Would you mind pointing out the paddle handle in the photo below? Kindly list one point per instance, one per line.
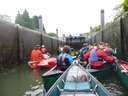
(30, 62)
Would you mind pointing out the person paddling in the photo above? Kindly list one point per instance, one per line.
(80, 53)
(36, 56)
(44, 49)
(97, 56)
(108, 50)
(64, 60)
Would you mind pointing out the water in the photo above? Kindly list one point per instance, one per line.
(114, 86)
(22, 81)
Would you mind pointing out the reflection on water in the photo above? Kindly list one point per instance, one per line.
(36, 87)
(22, 81)
(34, 91)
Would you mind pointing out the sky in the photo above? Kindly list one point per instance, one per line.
(68, 16)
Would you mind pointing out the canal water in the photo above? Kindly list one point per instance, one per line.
(22, 81)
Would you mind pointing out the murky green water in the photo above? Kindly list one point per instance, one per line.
(114, 86)
(22, 81)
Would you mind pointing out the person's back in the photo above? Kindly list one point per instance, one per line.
(93, 56)
(64, 60)
(95, 61)
(59, 61)
(83, 50)
(97, 56)
(68, 59)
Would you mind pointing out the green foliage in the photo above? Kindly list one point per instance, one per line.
(96, 28)
(125, 5)
(36, 21)
(52, 34)
(121, 9)
(26, 21)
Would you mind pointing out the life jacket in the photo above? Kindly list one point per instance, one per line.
(72, 53)
(93, 56)
(36, 55)
(94, 60)
(62, 60)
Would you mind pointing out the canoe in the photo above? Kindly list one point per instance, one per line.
(76, 81)
(50, 76)
(121, 68)
(100, 73)
(44, 63)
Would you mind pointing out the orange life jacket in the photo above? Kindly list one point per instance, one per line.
(36, 55)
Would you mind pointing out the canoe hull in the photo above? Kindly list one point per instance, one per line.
(61, 82)
(50, 77)
(123, 76)
(49, 80)
(102, 73)
(45, 63)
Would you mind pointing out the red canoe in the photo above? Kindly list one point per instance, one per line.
(45, 63)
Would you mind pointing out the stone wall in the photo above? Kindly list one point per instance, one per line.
(16, 43)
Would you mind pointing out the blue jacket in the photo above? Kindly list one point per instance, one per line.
(64, 59)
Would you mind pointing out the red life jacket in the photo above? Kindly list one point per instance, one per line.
(97, 65)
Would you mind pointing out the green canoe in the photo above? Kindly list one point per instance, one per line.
(50, 77)
(121, 68)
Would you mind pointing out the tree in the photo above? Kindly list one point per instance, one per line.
(36, 21)
(18, 18)
(52, 34)
(121, 9)
(96, 29)
(125, 5)
(26, 21)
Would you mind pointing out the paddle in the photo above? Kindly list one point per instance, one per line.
(31, 62)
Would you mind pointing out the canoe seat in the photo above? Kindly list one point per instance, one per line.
(77, 86)
(78, 94)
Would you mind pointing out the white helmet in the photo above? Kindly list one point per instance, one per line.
(43, 46)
